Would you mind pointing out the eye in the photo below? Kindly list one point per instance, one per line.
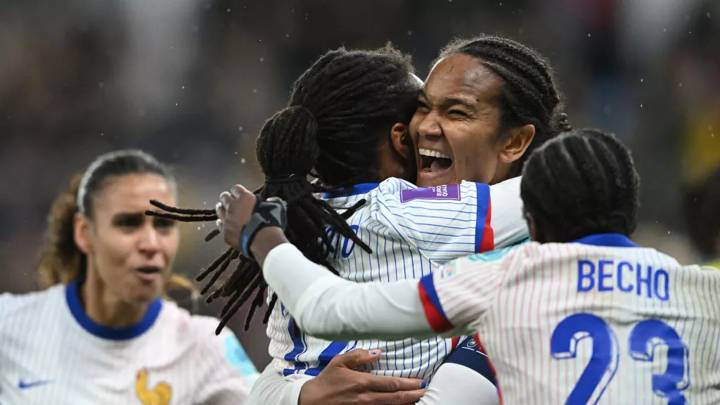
(128, 222)
(163, 223)
(458, 113)
(422, 106)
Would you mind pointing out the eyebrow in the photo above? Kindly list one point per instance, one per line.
(124, 216)
(450, 101)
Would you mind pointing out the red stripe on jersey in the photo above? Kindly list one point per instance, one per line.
(488, 237)
(479, 344)
(455, 340)
(434, 317)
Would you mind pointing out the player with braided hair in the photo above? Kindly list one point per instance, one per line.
(395, 216)
(486, 103)
(581, 315)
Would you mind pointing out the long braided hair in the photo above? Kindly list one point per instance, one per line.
(529, 94)
(580, 183)
(340, 112)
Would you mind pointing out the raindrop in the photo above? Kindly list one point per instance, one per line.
(642, 80)
(242, 161)
(228, 10)
(101, 84)
(287, 35)
(255, 91)
(449, 1)
(182, 87)
(240, 129)
(500, 4)
(664, 29)
(236, 153)
(589, 35)
(409, 33)
(261, 60)
(177, 104)
(198, 228)
(680, 84)
(102, 133)
(707, 14)
(641, 106)
(668, 232)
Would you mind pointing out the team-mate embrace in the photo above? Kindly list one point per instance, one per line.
(580, 315)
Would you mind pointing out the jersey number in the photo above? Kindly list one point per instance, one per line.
(644, 339)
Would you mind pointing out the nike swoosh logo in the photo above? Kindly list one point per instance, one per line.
(25, 385)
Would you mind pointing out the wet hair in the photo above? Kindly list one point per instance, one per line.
(340, 112)
(702, 207)
(579, 183)
(529, 94)
(61, 261)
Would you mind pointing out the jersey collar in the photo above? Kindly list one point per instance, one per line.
(607, 239)
(72, 296)
(361, 188)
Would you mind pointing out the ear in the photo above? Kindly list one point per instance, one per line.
(401, 142)
(516, 143)
(81, 233)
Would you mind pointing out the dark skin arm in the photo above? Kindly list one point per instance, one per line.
(339, 383)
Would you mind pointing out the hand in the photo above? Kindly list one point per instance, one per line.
(234, 211)
(340, 384)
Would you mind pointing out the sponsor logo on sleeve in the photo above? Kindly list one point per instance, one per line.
(444, 192)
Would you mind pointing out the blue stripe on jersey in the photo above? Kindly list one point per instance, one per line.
(72, 296)
(607, 239)
(298, 348)
(326, 355)
(483, 200)
(362, 188)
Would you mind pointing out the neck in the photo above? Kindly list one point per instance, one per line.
(106, 309)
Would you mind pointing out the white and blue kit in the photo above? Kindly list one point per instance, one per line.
(51, 352)
(598, 320)
(412, 231)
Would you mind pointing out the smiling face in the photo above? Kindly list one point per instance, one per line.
(129, 252)
(457, 124)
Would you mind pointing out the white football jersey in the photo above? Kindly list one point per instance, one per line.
(598, 321)
(411, 232)
(51, 352)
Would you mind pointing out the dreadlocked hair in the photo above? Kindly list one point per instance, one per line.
(529, 94)
(340, 110)
(580, 183)
(61, 261)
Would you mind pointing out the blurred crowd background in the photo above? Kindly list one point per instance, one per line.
(192, 81)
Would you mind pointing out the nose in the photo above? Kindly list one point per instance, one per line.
(149, 243)
(430, 125)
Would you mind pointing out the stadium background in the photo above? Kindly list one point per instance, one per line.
(192, 82)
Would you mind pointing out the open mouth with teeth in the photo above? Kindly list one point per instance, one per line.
(433, 161)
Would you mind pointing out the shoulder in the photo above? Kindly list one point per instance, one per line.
(14, 305)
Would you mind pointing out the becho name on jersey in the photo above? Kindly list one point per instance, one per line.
(606, 275)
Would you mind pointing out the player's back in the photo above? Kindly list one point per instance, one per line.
(411, 231)
(587, 322)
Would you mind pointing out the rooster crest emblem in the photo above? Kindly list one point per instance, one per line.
(160, 394)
